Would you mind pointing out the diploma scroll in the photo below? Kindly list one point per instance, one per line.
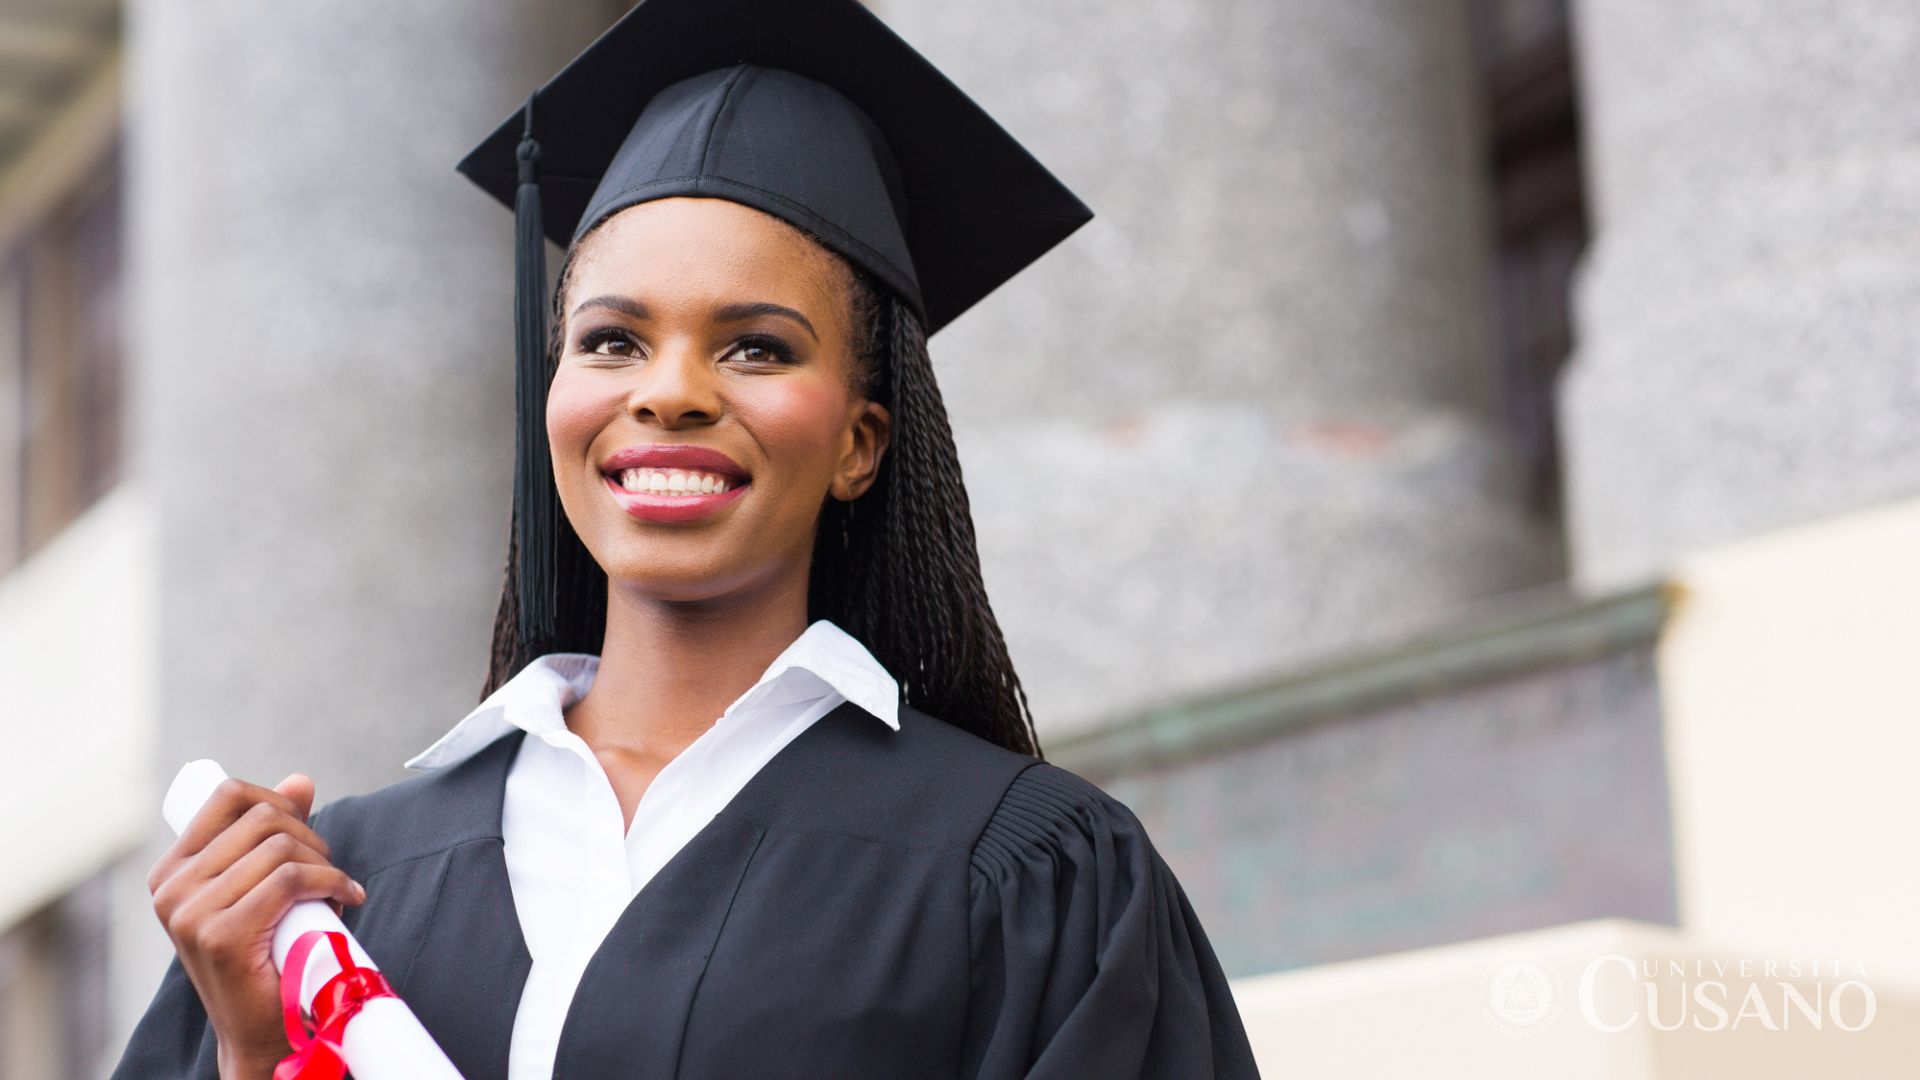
(383, 1040)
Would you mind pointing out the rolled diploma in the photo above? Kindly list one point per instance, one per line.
(384, 1040)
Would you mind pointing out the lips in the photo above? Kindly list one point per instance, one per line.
(684, 460)
(674, 456)
(672, 508)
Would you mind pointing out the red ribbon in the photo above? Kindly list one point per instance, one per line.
(318, 1056)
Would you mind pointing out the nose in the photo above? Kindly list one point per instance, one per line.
(677, 386)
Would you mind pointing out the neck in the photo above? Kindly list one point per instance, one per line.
(668, 669)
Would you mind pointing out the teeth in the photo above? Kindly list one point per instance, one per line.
(672, 482)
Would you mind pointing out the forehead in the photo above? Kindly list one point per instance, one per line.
(708, 251)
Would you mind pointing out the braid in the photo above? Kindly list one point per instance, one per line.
(898, 568)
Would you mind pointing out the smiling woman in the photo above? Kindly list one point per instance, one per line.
(754, 789)
(712, 331)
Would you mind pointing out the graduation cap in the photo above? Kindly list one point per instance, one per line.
(810, 110)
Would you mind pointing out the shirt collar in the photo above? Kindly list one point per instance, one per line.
(824, 659)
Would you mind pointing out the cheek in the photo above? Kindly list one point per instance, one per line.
(797, 419)
(577, 409)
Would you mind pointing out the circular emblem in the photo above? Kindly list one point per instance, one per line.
(1521, 996)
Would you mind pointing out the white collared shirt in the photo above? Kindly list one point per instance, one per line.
(572, 867)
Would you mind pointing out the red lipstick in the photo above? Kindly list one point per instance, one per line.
(674, 507)
(673, 456)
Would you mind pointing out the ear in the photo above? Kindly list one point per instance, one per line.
(868, 433)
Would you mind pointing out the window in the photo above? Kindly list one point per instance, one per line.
(60, 365)
(1532, 124)
(53, 986)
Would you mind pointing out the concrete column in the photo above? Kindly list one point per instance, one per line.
(1750, 312)
(322, 349)
(1249, 414)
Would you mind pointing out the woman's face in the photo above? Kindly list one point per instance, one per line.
(703, 323)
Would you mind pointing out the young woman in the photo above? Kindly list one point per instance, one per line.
(754, 791)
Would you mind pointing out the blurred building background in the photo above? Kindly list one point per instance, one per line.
(1461, 485)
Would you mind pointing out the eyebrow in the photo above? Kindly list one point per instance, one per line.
(626, 305)
(738, 312)
(622, 304)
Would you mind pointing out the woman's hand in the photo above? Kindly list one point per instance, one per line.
(246, 858)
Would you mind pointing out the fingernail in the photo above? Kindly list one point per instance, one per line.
(360, 890)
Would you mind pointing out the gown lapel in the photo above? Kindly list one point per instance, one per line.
(469, 958)
(629, 1013)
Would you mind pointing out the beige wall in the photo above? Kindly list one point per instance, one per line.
(1790, 679)
(77, 695)
(1438, 1013)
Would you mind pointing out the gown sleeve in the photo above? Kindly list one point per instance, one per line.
(173, 1039)
(1087, 959)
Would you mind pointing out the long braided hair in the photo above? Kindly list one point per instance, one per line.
(897, 568)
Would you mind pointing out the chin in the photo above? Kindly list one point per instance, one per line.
(660, 577)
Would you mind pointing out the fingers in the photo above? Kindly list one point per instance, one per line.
(247, 857)
(232, 798)
(254, 827)
(260, 861)
(180, 872)
(299, 788)
(273, 855)
(267, 901)
(227, 935)
(225, 912)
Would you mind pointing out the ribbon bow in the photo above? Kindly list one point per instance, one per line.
(318, 1056)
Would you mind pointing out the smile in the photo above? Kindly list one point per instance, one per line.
(673, 495)
(675, 481)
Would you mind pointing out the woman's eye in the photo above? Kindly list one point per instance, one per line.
(609, 343)
(762, 351)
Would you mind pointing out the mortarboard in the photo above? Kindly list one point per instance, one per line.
(810, 110)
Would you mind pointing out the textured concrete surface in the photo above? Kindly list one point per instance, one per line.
(1750, 315)
(1246, 416)
(321, 351)
(1520, 803)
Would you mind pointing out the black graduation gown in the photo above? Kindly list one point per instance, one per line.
(873, 903)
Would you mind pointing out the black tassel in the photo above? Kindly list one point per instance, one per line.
(536, 507)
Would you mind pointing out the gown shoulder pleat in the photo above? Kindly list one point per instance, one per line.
(1087, 958)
